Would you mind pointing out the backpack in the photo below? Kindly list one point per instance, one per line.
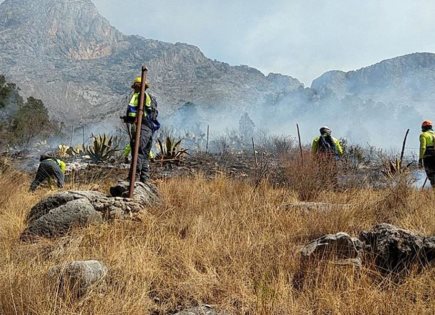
(152, 114)
(327, 146)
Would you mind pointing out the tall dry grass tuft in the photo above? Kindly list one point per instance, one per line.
(222, 242)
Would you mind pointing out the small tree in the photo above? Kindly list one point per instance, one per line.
(31, 121)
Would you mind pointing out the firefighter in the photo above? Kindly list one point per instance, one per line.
(49, 168)
(149, 126)
(325, 145)
(427, 151)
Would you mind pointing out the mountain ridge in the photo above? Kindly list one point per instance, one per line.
(79, 59)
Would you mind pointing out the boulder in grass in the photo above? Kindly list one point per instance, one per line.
(60, 220)
(339, 246)
(57, 214)
(395, 250)
(77, 277)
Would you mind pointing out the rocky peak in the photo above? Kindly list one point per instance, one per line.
(70, 28)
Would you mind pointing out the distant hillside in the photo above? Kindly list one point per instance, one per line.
(65, 53)
(407, 80)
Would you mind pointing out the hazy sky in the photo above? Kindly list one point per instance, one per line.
(302, 38)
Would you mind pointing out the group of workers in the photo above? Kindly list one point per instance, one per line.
(323, 146)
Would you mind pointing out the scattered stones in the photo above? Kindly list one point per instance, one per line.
(57, 214)
(77, 277)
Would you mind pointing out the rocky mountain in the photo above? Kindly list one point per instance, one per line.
(67, 54)
(406, 80)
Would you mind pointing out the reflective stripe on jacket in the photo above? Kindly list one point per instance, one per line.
(426, 141)
(133, 106)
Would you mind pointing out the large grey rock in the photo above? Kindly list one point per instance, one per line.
(51, 202)
(77, 277)
(58, 221)
(57, 214)
(396, 250)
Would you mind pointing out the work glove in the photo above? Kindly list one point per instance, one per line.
(420, 163)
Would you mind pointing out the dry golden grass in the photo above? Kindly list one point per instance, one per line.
(221, 242)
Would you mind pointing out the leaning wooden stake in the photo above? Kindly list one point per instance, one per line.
(403, 149)
(300, 144)
(208, 135)
(255, 153)
(424, 184)
(139, 118)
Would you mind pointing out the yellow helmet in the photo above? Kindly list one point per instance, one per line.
(138, 80)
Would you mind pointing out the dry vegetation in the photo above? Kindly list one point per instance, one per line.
(223, 242)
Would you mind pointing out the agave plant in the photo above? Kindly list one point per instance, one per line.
(77, 150)
(62, 150)
(103, 147)
(170, 150)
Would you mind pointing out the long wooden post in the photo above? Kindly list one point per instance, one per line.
(403, 148)
(139, 118)
(255, 152)
(208, 135)
(300, 144)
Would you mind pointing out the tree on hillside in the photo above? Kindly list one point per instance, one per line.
(31, 121)
(9, 94)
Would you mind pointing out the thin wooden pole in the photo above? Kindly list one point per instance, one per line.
(208, 135)
(424, 184)
(72, 136)
(139, 118)
(300, 144)
(403, 148)
(255, 152)
(83, 134)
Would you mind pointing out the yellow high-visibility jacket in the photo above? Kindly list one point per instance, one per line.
(133, 106)
(315, 146)
(426, 141)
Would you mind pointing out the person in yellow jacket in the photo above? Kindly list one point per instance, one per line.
(427, 151)
(149, 126)
(49, 168)
(325, 145)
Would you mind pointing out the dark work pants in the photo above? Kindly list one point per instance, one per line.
(145, 145)
(429, 167)
(48, 169)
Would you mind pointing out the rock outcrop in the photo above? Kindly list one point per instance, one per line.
(77, 277)
(395, 251)
(79, 60)
(59, 213)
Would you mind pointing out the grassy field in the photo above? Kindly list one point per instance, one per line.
(220, 241)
